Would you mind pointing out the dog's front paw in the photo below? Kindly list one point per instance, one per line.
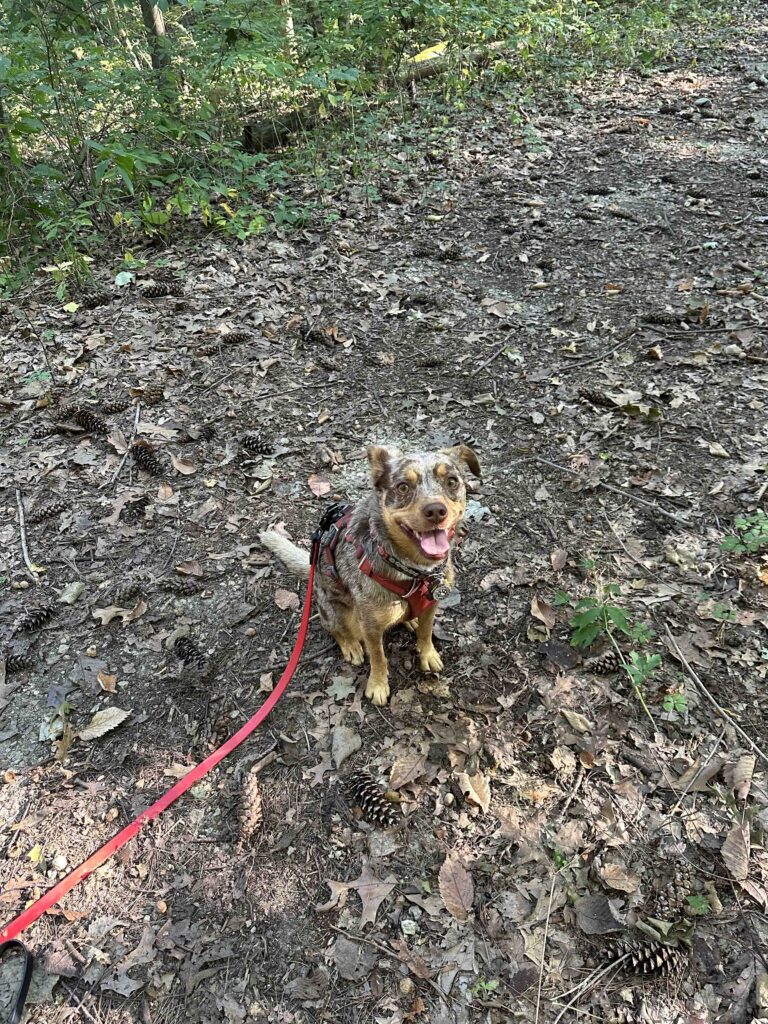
(411, 624)
(377, 691)
(352, 651)
(430, 660)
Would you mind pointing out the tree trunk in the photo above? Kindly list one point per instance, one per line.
(154, 22)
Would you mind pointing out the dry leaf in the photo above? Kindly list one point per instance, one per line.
(456, 887)
(183, 466)
(103, 722)
(743, 771)
(318, 486)
(735, 852)
(107, 683)
(543, 611)
(164, 492)
(372, 892)
(476, 789)
(114, 611)
(406, 770)
(558, 558)
(286, 599)
(118, 441)
(189, 568)
(617, 877)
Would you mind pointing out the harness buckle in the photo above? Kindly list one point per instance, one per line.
(330, 517)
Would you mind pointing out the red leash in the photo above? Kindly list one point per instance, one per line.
(53, 895)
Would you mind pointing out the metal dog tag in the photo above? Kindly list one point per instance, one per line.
(439, 592)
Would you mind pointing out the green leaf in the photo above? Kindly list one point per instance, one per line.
(123, 278)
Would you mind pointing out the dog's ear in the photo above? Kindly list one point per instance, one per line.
(381, 466)
(463, 453)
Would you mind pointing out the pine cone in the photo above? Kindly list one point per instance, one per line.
(189, 652)
(18, 663)
(34, 618)
(90, 421)
(124, 594)
(603, 664)
(182, 586)
(235, 337)
(153, 394)
(95, 298)
(672, 901)
(133, 511)
(369, 797)
(662, 318)
(255, 446)
(207, 432)
(116, 405)
(206, 350)
(44, 430)
(644, 957)
(48, 511)
(596, 397)
(161, 288)
(143, 454)
(251, 813)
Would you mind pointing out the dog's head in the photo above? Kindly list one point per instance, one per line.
(422, 498)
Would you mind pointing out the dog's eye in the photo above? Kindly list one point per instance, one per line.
(403, 488)
(453, 482)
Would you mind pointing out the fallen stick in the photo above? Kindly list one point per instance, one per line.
(23, 533)
(615, 490)
(136, 418)
(721, 711)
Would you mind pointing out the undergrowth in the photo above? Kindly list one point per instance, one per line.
(111, 130)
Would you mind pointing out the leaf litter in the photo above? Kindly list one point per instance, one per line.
(620, 418)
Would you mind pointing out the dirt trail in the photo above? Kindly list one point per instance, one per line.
(584, 300)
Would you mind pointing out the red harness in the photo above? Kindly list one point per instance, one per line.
(418, 592)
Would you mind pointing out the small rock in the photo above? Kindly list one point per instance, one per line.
(59, 862)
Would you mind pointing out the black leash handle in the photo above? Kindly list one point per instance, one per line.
(17, 1009)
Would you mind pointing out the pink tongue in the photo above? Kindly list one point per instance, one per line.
(434, 543)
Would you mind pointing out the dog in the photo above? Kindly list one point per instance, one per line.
(387, 560)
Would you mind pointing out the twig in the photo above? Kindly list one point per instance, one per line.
(495, 356)
(603, 355)
(544, 947)
(615, 490)
(590, 980)
(626, 550)
(695, 777)
(721, 711)
(136, 419)
(23, 534)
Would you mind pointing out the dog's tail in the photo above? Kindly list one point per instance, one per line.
(295, 559)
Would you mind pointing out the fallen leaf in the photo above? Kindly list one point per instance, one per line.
(286, 599)
(615, 876)
(114, 611)
(183, 466)
(456, 887)
(595, 916)
(415, 964)
(189, 568)
(543, 611)
(558, 557)
(372, 891)
(576, 721)
(107, 683)
(476, 789)
(743, 771)
(406, 770)
(103, 722)
(71, 592)
(354, 961)
(344, 742)
(118, 441)
(318, 486)
(164, 492)
(735, 852)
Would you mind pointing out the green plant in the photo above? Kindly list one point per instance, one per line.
(594, 617)
(698, 904)
(484, 987)
(751, 534)
(641, 667)
(676, 702)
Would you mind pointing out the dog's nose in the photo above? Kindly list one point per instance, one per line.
(435, 511)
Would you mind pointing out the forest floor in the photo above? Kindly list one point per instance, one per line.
(583, 299)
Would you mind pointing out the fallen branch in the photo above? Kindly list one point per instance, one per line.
(136, 419)
(23, 533)
(615, 490)
(702, 688)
